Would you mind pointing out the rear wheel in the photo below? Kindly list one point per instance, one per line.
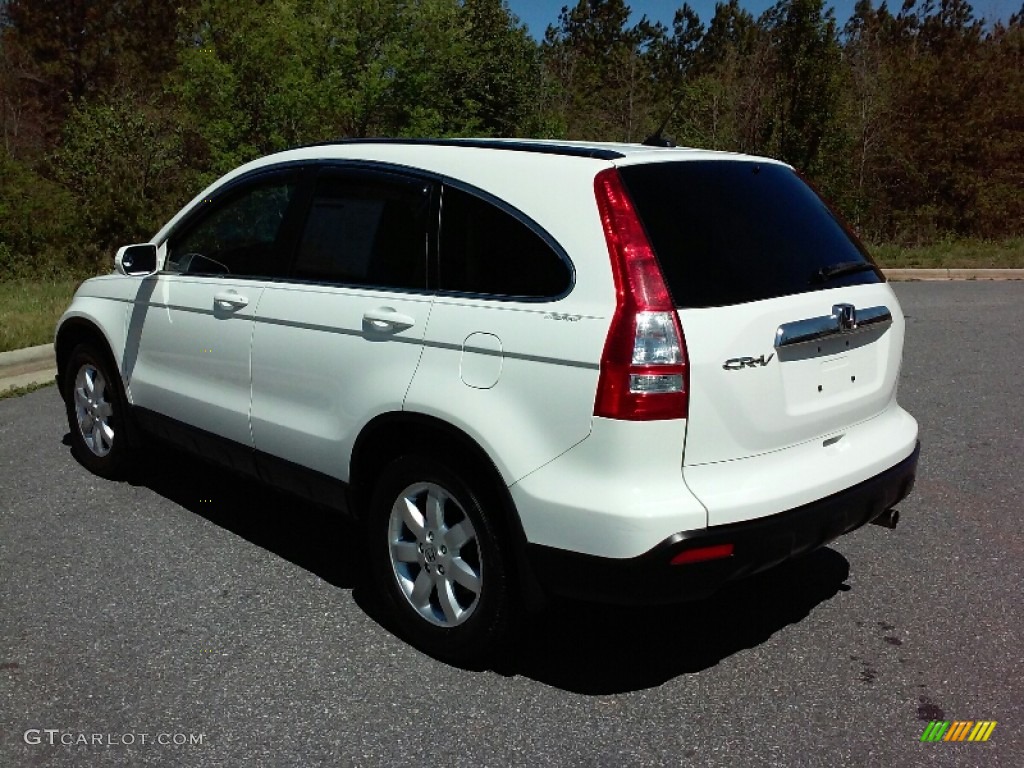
(438, 559)
(97, 412)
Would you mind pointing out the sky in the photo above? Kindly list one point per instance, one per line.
(537, 14)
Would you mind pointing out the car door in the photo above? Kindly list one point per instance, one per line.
(191, 327)
(506, 343)
(339, 342)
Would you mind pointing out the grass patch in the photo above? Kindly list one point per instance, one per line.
(19, 391)
(953, 254)
(29, 311)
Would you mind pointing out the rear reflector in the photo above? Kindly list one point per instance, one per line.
(700, 554)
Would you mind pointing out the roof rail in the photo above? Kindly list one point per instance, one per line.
(554, 148)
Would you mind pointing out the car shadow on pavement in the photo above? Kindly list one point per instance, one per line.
(585, 648)
(302, 533)
(598, 649)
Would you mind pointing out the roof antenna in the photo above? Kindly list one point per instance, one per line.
(656, 139)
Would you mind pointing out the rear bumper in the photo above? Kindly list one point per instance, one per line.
(757, 544)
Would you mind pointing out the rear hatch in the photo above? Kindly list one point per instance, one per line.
(791, 332)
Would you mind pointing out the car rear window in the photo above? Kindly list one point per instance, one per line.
(729, 232)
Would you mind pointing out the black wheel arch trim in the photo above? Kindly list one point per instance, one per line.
(74, 331)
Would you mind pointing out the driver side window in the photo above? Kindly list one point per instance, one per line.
(240, 235)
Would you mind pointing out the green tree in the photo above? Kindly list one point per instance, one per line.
(671, 61)
(497, 78)
(927, 172)
(260, 78)
(725, 101)
(867, 108)
(732, 31)
(806, 58)
(22, 117)
(82, 47)
(38, 224)
(600, 66)
(124, 165)
(1000, 198)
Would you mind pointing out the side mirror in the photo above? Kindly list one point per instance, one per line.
(136, 260)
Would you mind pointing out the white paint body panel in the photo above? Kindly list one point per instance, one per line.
(735, 414)
(192, 362)
(745, 489)
(616, 494)
(543, 401)
(320, 372)
(106, 302)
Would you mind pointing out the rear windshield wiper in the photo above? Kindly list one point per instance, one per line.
(838, 270)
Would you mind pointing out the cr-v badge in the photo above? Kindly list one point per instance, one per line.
(737, 363)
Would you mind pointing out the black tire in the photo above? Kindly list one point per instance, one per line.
(454, 624)
(97, 411)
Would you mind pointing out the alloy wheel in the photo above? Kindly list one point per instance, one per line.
(435, 554)
(93, 410)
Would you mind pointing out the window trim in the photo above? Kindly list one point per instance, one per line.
(307, 170)
(439, 181)
(386, 173)
(523, 219)
(222, 195)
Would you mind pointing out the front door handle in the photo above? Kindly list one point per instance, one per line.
(229, 300)
(386, 319)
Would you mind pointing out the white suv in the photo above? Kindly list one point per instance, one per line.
(614, 372)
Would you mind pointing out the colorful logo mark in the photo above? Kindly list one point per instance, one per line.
(958, 730)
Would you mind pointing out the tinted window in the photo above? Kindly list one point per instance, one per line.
(732, 232)
(365, 230)
(240, 235)
(486, 250)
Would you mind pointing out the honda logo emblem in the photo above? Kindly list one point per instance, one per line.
(846, 315)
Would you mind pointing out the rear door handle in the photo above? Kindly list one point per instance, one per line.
(229, 300)
(387, 319)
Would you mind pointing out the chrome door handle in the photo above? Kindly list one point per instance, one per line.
(230, 300)
(386, 319)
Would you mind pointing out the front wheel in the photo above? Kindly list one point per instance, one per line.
(438, 559)
(97, 413)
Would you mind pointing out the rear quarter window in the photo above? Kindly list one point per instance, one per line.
(487, 251)
(730, 232)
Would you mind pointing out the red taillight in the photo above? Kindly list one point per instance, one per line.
(644, 373)
(700, 554)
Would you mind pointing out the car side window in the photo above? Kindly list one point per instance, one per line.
(487, 250)
(366, 229)
(240, 235)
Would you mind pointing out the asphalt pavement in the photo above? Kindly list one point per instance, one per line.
(189, 618)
